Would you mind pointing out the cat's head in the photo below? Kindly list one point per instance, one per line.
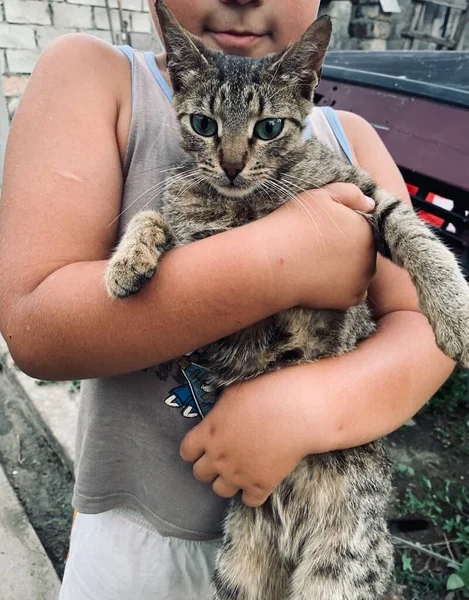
(241, 119)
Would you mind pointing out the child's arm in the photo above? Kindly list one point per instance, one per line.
(259, 430)
(62, 190)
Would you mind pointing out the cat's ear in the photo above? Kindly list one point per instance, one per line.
(301, 62)
(187, 56)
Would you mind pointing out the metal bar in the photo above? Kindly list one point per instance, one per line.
(446, 190)
(441, 212)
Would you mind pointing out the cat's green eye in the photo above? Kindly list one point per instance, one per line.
(268, 129)
(204, 125)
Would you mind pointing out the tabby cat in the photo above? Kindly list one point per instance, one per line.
(322, 533)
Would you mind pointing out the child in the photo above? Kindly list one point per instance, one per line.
(90, 145)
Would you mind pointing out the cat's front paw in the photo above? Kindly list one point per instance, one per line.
(136, 258)
(126, 275)
(454, 340)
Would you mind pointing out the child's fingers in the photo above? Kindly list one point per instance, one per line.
(223, 488)
(349, 195)
(254, 498)
(204, 470)
(192, 446)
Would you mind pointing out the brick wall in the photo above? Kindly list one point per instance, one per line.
(28, 26)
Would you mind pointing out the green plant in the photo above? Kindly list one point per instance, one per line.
(460, 579)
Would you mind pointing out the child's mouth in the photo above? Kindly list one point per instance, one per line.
(235, 39)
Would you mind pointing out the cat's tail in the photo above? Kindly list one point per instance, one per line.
(442, 290)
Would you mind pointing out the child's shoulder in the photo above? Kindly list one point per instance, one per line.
(82, 66)
(367, 147)
(82, 56)
(80, 79)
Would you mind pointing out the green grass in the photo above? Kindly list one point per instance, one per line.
(442, 500)
(449, 410)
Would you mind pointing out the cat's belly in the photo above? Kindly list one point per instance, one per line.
(291, 337)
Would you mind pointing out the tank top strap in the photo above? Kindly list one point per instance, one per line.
(324, 124)
(338, 131)
(152, 113)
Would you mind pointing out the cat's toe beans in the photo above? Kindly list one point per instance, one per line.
(124, 279)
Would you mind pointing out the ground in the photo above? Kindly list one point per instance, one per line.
(41, 481)
(431, 507)
(432, 496)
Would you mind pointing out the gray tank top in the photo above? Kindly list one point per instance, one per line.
(130, 427)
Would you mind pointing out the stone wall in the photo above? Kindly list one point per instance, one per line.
(363, 25)
(28, 26)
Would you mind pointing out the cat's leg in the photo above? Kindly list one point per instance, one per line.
(248, 565)
(136, 257)
(442, 290)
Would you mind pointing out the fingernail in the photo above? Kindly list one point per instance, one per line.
(370, 202)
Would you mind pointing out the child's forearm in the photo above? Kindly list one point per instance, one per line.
(358, 397)
(67, 327)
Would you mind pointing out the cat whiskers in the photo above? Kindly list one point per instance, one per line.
(265, 189)
(170, 181)
(158, 167)
(188, 186)
(156, 189)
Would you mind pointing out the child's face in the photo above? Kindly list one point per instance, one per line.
(244, 27)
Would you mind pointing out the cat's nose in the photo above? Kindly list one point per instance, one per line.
(232, 170)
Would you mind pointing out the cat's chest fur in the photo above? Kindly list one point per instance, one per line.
(202, 211)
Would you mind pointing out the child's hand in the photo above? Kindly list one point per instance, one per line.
(250, 441)
(322, 252)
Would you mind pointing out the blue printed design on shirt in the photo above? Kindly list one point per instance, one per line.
(194, 397)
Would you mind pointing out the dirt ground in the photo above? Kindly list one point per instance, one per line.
(432, 496)
(431, 507)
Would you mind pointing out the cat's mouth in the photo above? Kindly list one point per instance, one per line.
(234, 189)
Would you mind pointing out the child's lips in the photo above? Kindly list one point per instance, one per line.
(235, 39)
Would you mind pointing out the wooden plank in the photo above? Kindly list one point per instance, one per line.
(458, 4)
(461, 26)
(426, 37)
